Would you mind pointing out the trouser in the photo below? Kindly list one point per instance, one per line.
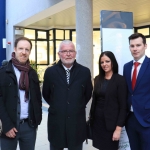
(26, 136)
(139, 136)
(79, 147)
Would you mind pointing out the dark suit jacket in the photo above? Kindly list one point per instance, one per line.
(66, 119)
(140, 96)
(115, 107)
(9, 99)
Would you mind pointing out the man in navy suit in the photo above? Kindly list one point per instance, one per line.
(137, 74)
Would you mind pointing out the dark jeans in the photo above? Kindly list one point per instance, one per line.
(26, 136)
(79, 147)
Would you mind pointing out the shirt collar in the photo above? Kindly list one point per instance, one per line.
(140, 60)
(66, 67)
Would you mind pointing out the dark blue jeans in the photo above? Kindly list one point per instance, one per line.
(26, 136)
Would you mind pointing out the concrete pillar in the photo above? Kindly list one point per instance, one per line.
(2, 29)
(84, 36)
(84, 33)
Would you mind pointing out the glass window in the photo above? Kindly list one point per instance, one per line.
(96, 52)
(29, 33)
(147, 52)
(57, 49)
(74, 37)
(51, 52)
(60, 34)
(40, 71)
(32, 54)
(41, 35)
(67, 34)
(144, 31)
(41, 52)
(51, 34)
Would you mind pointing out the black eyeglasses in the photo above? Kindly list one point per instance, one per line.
(67, 51)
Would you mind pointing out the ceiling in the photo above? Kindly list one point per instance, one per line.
(67, 17)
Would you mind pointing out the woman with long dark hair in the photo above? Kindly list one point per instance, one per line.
(109, 105)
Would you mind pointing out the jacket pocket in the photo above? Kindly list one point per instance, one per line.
(83, 89)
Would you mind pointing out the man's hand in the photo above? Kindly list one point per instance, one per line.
(11, 133)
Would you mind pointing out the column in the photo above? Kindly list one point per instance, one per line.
(84, 33)
(2, 29)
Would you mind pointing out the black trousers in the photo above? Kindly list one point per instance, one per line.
(79, 147)
(26, 136)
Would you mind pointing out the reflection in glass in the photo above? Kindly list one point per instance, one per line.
(96, 52)
(144, 31)
(51, 52)
(29, 33)
(67, 33)
(51, 34)
(59, 34)
(41, 52)
(32, 54)
(41, 35)
(147, 52)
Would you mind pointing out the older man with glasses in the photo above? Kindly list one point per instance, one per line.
(67, 88)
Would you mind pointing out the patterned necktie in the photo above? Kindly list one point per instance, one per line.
(134, 74)
(68, 75)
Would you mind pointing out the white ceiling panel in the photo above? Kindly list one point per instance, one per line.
(67, 18)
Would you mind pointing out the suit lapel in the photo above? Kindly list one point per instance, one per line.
(73, 74)
(61, 72)
(142, 71)
(11, 72)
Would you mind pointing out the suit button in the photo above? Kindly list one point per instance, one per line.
(18, 113)
(18, 102)
(68, 103)
(68, 89)
(68, 117)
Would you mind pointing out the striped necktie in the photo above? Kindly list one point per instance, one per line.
(68, 75)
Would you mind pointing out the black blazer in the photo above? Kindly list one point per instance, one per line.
(9, 100)
(115, 107)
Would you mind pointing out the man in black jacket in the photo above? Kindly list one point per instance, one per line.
(20, 99)
(67, 88)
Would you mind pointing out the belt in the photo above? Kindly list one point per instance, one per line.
(23, 121)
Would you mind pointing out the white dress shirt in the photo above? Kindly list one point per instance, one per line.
(66, 67)
(23, 105)
(138, 69)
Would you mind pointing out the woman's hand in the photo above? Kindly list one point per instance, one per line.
(117, 133)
